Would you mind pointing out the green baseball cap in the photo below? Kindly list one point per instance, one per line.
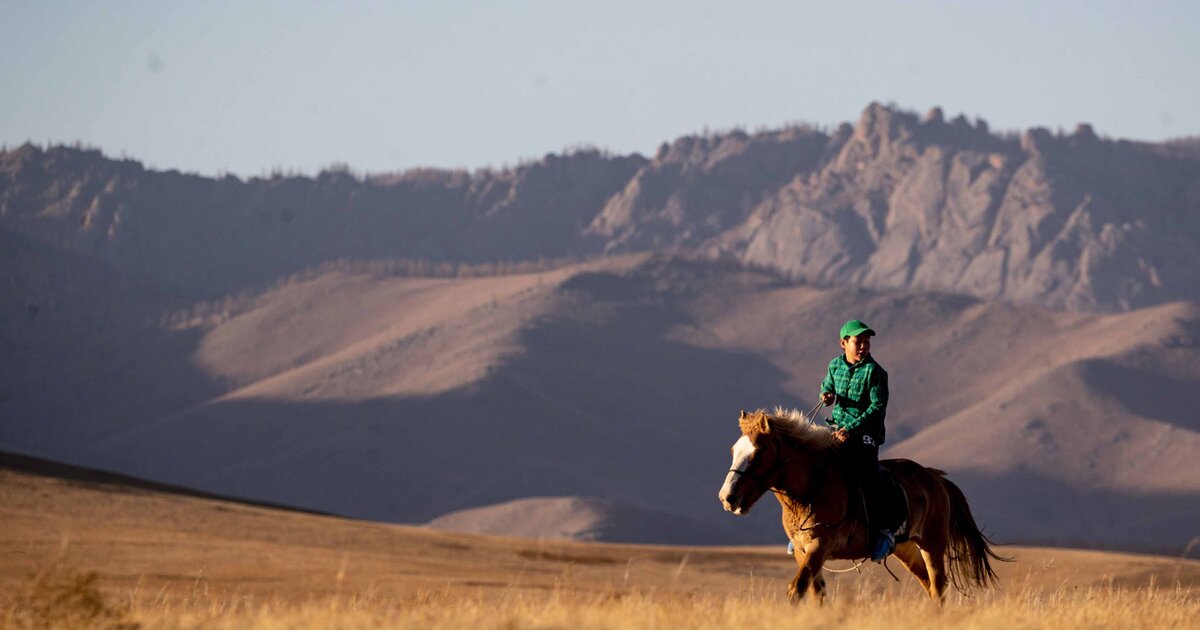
(854, 328)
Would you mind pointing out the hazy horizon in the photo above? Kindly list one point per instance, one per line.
(247, 90)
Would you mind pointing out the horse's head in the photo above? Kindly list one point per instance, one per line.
(756, 463)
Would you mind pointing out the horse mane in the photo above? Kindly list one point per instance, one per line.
(792, 424)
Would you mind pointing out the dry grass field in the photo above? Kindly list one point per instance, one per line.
(92, 553)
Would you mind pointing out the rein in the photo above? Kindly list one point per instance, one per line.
(802, 528)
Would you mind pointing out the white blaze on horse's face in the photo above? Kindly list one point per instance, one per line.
(743, 451)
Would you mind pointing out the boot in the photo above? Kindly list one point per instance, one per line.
(885, 544)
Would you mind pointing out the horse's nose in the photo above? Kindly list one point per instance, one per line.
(728, 500)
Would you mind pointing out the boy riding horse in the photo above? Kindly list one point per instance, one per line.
(857, 388)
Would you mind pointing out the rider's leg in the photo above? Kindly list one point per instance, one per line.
(866, 456)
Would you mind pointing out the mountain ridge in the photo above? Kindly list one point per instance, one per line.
(896, 200)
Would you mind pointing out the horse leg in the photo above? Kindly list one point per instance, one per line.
(810, 561)
(818, 588)
(910, 555)
(935, 567)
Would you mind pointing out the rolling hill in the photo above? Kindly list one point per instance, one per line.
(403, 399)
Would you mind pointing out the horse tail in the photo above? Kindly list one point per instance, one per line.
(969, 550)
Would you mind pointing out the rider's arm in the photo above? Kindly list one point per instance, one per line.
(877, 393)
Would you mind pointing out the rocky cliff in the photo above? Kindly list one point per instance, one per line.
(1067, 221)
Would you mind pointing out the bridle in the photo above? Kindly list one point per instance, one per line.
(763, 480)
(759, 480)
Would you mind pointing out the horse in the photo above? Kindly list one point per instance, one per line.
(825, 517)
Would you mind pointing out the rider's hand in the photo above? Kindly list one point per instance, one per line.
(827, 398)
(840, 435)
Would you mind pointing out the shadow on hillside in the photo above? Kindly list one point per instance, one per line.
(82, 353)
(1024, 507)
(599, 403)
(1149, 394)
(413, 459)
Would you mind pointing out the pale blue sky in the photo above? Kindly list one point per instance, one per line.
(245, 87)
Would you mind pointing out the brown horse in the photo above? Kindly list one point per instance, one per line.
(824, 514)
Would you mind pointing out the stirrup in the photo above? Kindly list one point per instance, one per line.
(791, 548)
(884, 546)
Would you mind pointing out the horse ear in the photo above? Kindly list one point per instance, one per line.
(743, 416)
(766, 423)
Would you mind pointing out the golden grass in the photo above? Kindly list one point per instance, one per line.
(64, 599)
(84, 554)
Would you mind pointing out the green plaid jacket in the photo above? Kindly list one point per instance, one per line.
(862, 396)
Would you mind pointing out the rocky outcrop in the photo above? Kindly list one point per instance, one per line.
(698, 187)
(1068, 221)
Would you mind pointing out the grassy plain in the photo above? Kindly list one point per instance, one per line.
(92, 553)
